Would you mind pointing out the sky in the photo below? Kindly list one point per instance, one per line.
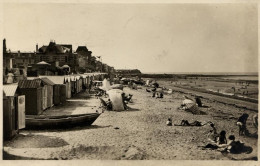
(150, 37)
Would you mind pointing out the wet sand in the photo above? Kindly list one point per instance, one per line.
(138, 133)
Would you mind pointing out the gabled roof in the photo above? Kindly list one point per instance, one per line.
(72, 78)
(77, 77)
(36, 83)
(47, 81)
(9, 90)
(65, 66)
(55, 79)
(67, 78)
(43, 63)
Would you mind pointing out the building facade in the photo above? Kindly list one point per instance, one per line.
(58, 54)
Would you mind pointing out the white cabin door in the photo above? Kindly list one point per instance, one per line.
(21, 112)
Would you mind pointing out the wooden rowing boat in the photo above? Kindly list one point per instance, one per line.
(33, 121)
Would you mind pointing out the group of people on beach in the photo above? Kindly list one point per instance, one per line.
(156, 94)
(125, 99)
(218, 140)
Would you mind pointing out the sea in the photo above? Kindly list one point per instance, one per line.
(226, 75)
(207, 73)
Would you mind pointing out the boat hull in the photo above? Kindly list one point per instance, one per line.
(60, 121)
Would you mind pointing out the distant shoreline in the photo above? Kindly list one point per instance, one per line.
(222, 77)
(207, 73)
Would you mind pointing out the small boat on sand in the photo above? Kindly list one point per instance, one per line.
(39, 121)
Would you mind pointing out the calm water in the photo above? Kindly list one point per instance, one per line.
(253, 76)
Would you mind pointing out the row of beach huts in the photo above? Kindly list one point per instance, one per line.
(33, 95)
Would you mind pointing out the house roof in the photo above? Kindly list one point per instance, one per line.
(77, 77)
(72, 78)
(47, 81)
(43, 49)
(67, 78)
(31, 78)
(36, 83)
(65, 66)
(82, 48)
(9, 90)
(55, 79)
(43, 63)
(57, 48)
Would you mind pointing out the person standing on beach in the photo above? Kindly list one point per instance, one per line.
(90, 85)
(241, 122)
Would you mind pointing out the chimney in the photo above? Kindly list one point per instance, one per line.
(4, 46)
(37, 47)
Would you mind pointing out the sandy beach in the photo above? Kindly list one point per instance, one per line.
(139, 133)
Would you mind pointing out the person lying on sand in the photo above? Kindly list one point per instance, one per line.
(195, 123)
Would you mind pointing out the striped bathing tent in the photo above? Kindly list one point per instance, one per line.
(191, 106)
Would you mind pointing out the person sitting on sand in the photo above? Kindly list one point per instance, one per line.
(198, 101)
(98, 94)
(231, 147)
(128, 98)
(153, 94)
(124, 103)
(221, 139)
(169, 122)
(241, 122)
(109, 104)
(212, 135)
(219, 143)
(234, 146)
(161, 95)
(255, 120)
(157, 95)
